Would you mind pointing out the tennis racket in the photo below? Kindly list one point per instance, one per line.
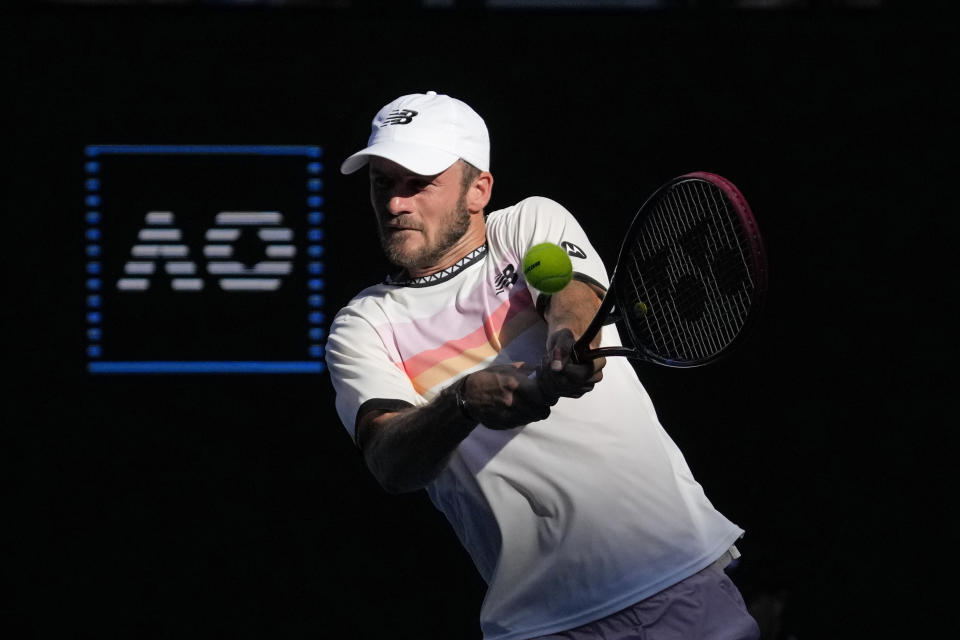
(690, 278)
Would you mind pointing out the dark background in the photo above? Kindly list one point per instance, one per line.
(237, 507)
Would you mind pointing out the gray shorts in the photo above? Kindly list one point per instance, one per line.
(705, 606)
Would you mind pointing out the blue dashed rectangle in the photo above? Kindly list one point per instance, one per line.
(98, 277)
(215, 366)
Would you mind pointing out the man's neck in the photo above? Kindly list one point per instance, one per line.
(475, 237)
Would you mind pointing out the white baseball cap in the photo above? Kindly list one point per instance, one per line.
(425, 133)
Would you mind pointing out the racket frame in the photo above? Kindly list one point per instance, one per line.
(609, 311)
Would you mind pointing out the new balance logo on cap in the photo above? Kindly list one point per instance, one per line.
(399, 116)
(440, 130)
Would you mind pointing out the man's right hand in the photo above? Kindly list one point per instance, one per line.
(505, 396)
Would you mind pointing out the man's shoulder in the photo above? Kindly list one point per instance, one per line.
(527, 215)
(364, 303)
(530, 204)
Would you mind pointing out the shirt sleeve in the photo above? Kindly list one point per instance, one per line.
(538, 219)
(362, 369)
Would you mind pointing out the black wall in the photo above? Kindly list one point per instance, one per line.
(238, 507)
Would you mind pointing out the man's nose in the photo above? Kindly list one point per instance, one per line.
(398, 204)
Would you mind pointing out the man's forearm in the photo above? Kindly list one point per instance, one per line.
(568, 315)
(406, 450)
(573, 307)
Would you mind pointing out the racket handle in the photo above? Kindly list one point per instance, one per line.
(581, 356)
(581, 348)
(580, 352)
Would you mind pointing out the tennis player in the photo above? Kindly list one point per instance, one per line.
(454, 375)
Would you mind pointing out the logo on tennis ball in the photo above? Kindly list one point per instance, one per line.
(547, 267)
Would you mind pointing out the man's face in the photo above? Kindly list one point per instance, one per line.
(420, 218)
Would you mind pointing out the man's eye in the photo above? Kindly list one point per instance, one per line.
(381, 183)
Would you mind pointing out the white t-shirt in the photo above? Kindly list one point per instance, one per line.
(568, 519)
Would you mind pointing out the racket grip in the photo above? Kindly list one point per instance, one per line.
(580, 349)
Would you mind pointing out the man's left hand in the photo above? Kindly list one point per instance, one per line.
(559, 376)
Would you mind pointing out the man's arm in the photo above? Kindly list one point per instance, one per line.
(568, 314)
(407, 449)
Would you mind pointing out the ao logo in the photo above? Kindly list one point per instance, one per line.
(160, 240)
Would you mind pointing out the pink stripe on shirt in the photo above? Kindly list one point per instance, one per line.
(416, 341)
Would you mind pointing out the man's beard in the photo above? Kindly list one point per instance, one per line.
(456, 224)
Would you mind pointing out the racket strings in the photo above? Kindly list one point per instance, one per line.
(699, 302)
(696, 302)
(689, 268)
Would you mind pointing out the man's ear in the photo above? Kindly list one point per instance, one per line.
(479, 192)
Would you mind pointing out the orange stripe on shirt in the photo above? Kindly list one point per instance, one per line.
(430, 368)
(489, 332)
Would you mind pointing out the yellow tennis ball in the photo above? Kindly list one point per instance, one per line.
(547, 267)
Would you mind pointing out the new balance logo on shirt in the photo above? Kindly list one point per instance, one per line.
(506, 278)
